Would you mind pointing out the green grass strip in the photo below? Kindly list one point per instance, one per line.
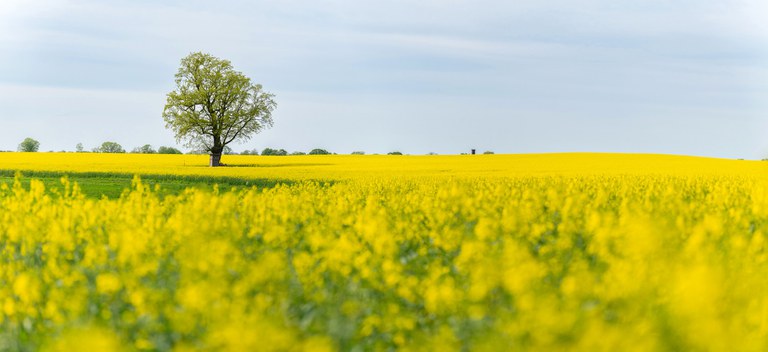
(112, 185)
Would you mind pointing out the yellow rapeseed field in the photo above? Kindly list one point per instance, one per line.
(336, 167)
(483, 253)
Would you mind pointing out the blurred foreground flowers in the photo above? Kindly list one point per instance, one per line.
(641, 262)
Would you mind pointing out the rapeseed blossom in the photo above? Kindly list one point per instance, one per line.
(409, 260)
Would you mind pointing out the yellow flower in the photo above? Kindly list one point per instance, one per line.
(108, 283)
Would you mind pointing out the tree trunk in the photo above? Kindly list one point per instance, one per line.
(216, 152)
(215, 160)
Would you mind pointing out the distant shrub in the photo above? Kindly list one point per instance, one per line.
(274, 152)
(250, 152)
(109, 147)
(29, 145)
(298, 153)
(395, 153)
(145, 149)
(318, 151)
(488, 152)
(358, 153)
(168, 150)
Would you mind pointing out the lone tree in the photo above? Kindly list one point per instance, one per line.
(29, 145)
(214, 105)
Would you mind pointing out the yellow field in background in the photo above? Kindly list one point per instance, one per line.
(592, 252)
(346, 166)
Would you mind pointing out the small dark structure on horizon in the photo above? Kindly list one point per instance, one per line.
(473, 152)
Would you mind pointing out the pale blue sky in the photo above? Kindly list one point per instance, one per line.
(678, 77)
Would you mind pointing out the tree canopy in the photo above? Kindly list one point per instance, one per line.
(270, 151)
(213, 105)
(29, 145)
(318, 151)
(109, 147)
(168, 150)
(145, 149)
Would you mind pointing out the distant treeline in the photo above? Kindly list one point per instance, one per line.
(31, 145)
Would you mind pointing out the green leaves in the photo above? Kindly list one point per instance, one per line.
(214, 105)
(29, 145)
